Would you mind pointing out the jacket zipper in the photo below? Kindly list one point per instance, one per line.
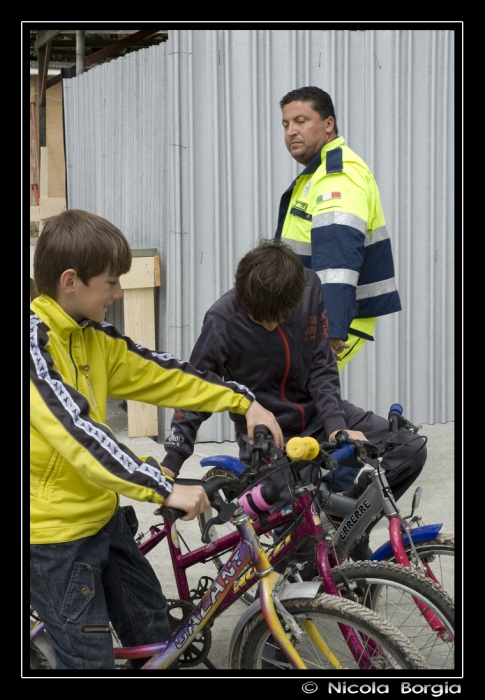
(287, 371)
(72, 360)
(86, 376)
(85, 369)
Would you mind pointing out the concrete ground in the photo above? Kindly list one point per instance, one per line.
(437, 506)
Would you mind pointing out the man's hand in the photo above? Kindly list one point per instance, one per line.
(192, 499)
(257, 415)
(168, 472)
(337, 346)
(353, 435)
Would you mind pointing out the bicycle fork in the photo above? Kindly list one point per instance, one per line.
(268, 597)
(364, 657)
(396, 523)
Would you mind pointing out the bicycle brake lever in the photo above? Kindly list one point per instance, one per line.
(226, 511)
(366, 469)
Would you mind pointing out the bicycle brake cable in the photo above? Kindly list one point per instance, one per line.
(422, 437)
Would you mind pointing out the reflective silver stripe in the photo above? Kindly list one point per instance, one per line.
(375, 289)
(299, 247)
(339, 217)
(338, 276)
(379, 234)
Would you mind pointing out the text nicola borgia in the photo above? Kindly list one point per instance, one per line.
(433, 689)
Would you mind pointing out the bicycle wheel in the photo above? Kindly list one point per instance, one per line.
(41, 651)
(218, 531)
(439, 554)
(385, 646)
(393, 592)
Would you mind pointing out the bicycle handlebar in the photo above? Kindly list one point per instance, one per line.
(397, 420)
(334, 453)
(210, 487)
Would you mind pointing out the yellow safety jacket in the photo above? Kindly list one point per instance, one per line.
(332, 216)
(77, 466)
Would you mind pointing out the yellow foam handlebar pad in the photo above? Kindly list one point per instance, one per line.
(302, 448)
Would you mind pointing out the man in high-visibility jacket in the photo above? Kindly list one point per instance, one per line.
(331, 215)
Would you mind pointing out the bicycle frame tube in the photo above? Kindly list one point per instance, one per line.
(247, 550)
(357, 516)
(401, 558)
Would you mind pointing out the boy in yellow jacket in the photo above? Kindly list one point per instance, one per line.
(85, 566)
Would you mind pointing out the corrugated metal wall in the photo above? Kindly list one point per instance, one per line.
(181, 146)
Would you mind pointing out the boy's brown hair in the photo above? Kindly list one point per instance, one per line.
(82, 241)
(270, 281)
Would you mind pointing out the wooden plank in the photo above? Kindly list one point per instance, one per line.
(139, 313)
(143, 252)
(44, 56)
(47, 207)
(43, 37)
(142, 274)
(156, 270)
(117, 46)
(44, 172)
(51, 206)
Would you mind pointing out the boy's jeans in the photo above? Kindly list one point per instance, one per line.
(78, 587)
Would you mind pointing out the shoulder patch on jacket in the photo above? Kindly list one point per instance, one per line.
(334, 161)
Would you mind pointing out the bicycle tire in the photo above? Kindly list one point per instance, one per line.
(327, 612)
(439, 553)
(41, 651)
(391, 590)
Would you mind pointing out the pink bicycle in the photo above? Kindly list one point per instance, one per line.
(289, 625)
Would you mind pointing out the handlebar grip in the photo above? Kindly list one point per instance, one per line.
(261, 431)
(259, 499)
(395, 414)
(343, 453)
(299, 448)
(172, 514)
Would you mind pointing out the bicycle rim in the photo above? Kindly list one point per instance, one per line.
(400, 596)
(439, 555)
(332, 618)
(41, 651)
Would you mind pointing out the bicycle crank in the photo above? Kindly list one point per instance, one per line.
(197, 652)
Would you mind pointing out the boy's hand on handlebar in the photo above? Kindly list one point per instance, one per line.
(192, 499)
(353, 435)
(258, 415)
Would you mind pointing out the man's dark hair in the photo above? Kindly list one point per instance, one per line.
(270, 281)
(82, 241)
(321, 101)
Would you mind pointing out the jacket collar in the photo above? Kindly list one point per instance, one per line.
(317, 161)
(320, 157)
(54, 316)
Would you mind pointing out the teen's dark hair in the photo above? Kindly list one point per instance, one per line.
(321, 101)
(270, 281)
(82, 241)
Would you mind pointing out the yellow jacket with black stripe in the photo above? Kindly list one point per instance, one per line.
(77, 466)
